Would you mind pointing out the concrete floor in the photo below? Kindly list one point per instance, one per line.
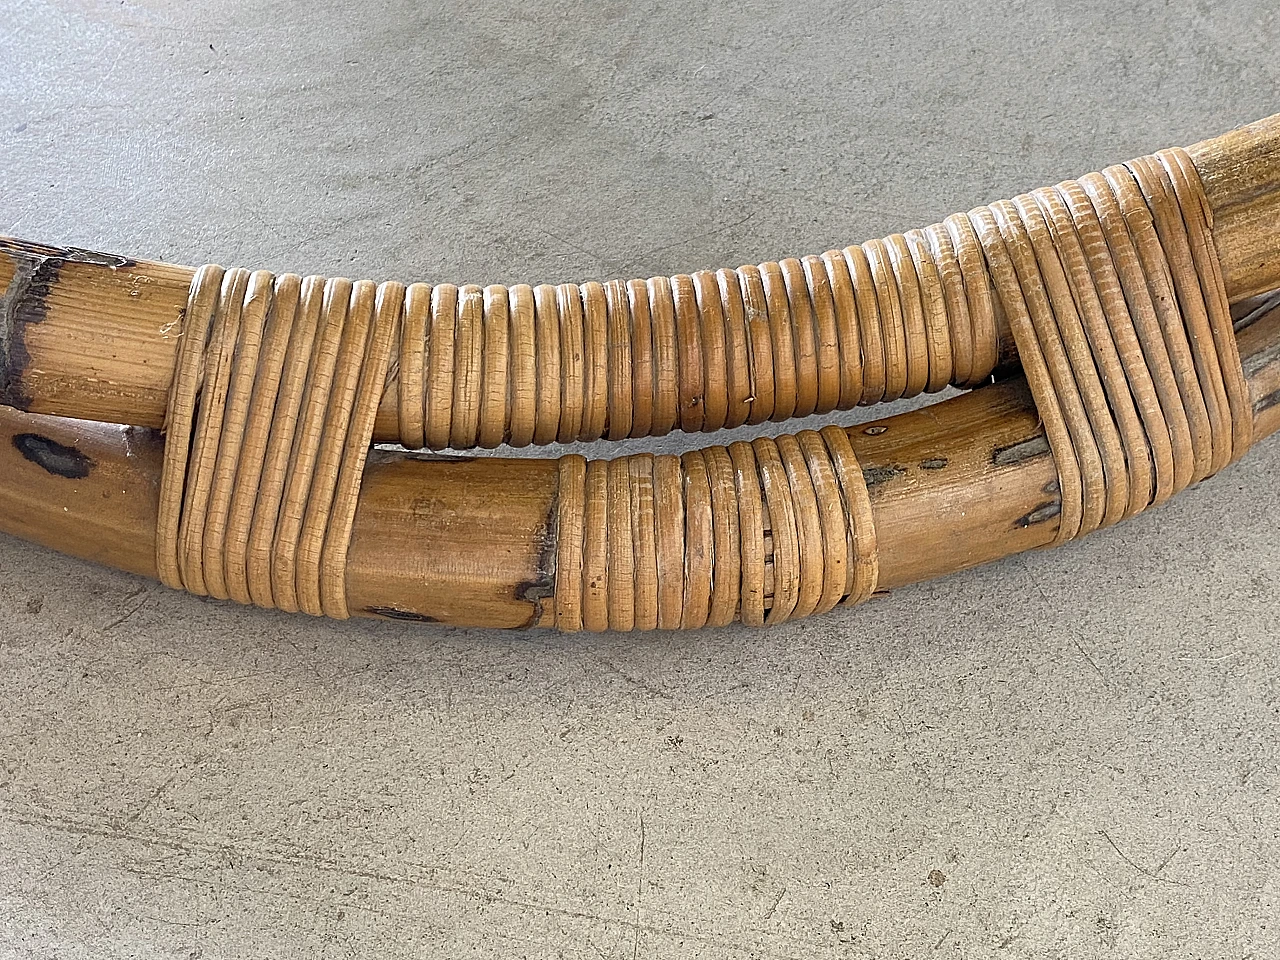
(1072, 754)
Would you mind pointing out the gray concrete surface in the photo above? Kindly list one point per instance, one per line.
(1071, 754)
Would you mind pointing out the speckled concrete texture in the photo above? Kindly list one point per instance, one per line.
(1069, 754)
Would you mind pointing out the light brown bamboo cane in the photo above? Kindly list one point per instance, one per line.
(94, 336)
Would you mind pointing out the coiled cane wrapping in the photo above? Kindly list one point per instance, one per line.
(1110, 286)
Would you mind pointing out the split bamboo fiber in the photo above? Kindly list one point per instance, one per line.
(1110, 286)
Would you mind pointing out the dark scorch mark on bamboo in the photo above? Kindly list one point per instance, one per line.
(36, 268)
(542, 586)
(1266, 403)
(19, 306)
(933, 463)
(874, 476)
(1046, 511)
(392, 613)
(56, 458)
(1020, 452)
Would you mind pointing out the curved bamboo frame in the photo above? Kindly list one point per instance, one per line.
(87, 342)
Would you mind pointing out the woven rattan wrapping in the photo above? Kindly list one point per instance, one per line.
(889, 319)
(1110, 285)
(481, 366)
(764, 532)
(269, 422)
(1112, 291)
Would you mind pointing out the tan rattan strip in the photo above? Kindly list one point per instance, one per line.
(270, 418)
(763, 532)
(1123, 327)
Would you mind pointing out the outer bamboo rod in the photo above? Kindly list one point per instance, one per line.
(469, 540)
(1241, 175)
(94, 336)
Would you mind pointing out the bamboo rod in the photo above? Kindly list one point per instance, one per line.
(1241, 175)
(471, 541)
(94, 336)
